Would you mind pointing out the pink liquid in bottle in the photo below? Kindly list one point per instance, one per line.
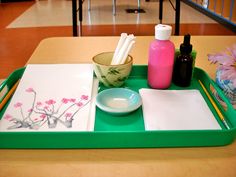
(161, 58)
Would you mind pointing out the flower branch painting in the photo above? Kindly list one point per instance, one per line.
(46, 113)
(52, 97)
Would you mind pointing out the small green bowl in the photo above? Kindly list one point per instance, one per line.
(111, 75)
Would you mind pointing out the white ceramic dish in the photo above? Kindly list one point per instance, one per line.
(118, 101)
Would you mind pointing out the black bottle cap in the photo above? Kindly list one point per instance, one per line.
(186, 47)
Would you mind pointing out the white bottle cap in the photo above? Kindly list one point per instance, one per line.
(162, 32)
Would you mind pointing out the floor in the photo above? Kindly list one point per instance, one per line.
(24, 24)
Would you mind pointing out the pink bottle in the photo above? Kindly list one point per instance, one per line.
(161, 58)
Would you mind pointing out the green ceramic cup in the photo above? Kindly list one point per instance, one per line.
(111, 75)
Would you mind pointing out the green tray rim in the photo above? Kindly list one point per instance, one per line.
(124, 139)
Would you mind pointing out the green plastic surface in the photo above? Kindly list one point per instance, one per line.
(127, 131)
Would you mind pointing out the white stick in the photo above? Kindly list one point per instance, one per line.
(123, 49)
(122, 39)
(127, 52)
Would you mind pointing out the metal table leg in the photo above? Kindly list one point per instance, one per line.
(89, 5)
(138, 4)
(114, 7)
(177, 17)
(74, 17)
(177, 14)
(160, 10)
(80, 16)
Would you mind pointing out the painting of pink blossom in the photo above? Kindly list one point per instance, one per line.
(52, 97)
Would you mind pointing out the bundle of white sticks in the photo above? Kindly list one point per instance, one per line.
(123, 48)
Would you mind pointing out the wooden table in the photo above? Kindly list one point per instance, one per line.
(158, 162)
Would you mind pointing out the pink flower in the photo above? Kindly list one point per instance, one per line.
(8, 117)
(18, 104)
(46, 107)
(29, 90)
(30, 110)
(72, 100)
(68, 115)
(43, 116)
(65, 100)
(39, 103)
(50, 102)
(84, 97)
(79, 104)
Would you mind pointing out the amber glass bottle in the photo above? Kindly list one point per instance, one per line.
(183, 67)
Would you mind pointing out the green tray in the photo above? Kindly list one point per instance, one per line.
(128, 131)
